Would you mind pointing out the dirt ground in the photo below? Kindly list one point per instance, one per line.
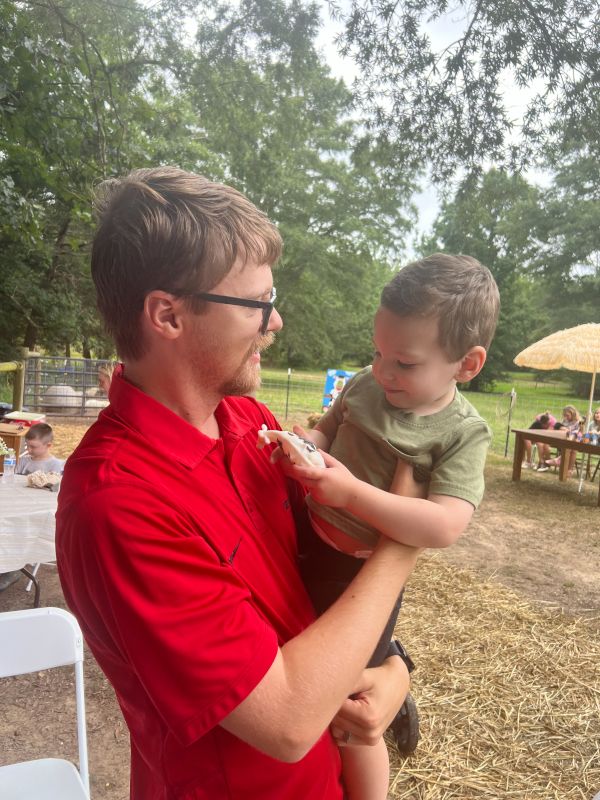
(537, 537)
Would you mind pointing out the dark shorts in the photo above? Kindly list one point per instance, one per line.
(326, 573)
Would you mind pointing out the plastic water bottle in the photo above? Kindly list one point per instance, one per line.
(9, 466)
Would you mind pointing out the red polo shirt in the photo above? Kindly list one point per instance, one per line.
(177, 553)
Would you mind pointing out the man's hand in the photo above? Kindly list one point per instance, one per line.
(370, 710)
(332, 486)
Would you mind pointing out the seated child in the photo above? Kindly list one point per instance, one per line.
(436, 320)
(38, 441)
(542, 422)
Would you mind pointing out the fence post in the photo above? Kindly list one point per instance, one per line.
(19, 387)
(513, 397)
(287, 392)
(37, 378)
(17, 368)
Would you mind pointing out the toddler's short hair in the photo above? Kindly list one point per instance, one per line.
(42, 432)
(459, 291)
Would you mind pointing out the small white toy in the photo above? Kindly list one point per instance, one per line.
(299, 451)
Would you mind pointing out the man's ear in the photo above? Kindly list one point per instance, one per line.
(471, 364)
(162, 314)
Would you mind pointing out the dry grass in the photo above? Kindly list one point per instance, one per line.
(508, 694)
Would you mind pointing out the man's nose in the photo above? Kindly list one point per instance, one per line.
(275, 321)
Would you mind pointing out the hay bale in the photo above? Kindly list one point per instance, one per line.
(508, 693)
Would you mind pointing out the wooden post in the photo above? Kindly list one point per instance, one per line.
(37, 380)
(18, 387)
(17, 368)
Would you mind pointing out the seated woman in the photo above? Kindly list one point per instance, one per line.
(595, 423)
(544, 422)
(570, 424)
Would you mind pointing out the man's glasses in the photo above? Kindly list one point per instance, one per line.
(265, 305)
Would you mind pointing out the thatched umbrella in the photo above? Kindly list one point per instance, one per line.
(577, 349)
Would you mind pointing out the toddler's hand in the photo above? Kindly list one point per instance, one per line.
(331, 486)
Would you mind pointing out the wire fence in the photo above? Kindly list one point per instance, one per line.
(69, 387)
(64, 386)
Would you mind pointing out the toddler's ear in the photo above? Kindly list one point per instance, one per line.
(471, 364)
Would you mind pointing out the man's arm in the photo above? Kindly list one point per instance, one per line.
(314, 673)
(436, 521)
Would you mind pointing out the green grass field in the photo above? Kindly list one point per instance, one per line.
(293, 397)
(306, 391)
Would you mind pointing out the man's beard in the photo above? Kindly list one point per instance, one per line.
(247, 379)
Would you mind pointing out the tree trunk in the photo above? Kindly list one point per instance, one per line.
(30, 338)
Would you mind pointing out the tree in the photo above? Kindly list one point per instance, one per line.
(92, 89)
(80, 87)
(287, 136)
(447, 105)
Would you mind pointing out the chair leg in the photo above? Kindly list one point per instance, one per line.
(34, 580)
(34, 572)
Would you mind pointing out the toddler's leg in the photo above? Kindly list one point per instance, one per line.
(366, 771)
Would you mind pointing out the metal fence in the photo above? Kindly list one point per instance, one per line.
(63, 386)
(69, 387)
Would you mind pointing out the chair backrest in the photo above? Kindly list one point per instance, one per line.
(42, 638)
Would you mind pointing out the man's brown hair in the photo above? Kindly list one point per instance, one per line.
(459, 291)
(42, 432)
(168, 229)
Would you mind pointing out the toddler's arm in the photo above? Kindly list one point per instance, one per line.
(436, 521)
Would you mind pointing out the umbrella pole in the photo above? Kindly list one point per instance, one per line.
(588, 422)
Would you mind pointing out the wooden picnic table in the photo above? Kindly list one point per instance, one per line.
(556, 439)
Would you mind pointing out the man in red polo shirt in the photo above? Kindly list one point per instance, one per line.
(176, 537)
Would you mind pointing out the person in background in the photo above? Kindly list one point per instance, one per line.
(595, 423)
(542, 422)
(570, 423)
(38, 441)
(186, 533)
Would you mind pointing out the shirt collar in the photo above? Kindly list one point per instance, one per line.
(165, 431)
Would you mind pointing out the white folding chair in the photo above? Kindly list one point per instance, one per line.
(32, 640)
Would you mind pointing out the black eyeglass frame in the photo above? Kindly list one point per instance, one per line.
(266, 305)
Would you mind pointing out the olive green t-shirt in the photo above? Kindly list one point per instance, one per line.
(369, 436)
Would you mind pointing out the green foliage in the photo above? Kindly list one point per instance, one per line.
(91, 89)
(284, 130)
(448, 103)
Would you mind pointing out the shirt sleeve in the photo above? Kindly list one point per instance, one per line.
(459, 471)
(182, 619)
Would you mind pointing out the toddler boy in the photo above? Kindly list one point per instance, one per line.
(432, 330)
(38, 441)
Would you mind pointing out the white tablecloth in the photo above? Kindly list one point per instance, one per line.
(26, 524)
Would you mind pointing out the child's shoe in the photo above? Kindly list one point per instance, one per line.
(405, 727)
